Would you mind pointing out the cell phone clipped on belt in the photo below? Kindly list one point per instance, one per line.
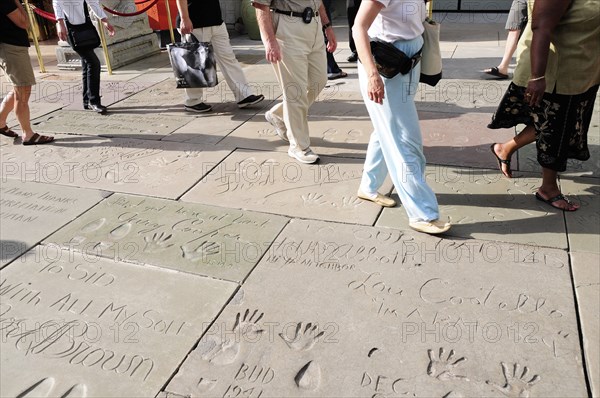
(307, 15)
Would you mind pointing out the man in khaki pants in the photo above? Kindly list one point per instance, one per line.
(291, 31)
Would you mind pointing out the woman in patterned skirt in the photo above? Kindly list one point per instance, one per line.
(553, 91)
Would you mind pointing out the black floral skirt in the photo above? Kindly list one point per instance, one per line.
(561, 123)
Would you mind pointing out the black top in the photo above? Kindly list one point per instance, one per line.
(203, 13)
(9, 32)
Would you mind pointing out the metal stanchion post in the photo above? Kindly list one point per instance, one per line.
(104, 46)
(170, 22)
(430, 5)
(34, 27)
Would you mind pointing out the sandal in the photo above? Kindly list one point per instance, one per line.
(5, 131)
(37, 139)
(555, 199)
(501, 162)
(495, 72)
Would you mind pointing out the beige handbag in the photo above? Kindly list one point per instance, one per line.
(431, 60)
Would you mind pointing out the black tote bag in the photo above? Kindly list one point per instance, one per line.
(193, 63)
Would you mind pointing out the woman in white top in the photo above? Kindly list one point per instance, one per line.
(396, 144)
(75, 13)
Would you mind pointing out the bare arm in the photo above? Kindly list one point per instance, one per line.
(186, 26)
(331, 40)
(267, 33)
(19, 16)
(99, 12)
(545, 18)
(366, 15)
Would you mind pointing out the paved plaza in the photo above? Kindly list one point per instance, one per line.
(153, 252)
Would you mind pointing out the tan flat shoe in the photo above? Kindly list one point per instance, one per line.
(380, 199)
(430, 227)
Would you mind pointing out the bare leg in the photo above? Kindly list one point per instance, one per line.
(22, 94)
(505, 150)
(511, 45)
(8, 103)
(549, 189)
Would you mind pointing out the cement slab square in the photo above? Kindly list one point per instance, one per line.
(32, 211)
(113, 124)
(584, 224)
(75, 325)
(120, 165)
(460, 139)
(467, 95)
(348, 310)
(70, 93)
(483, 205)
(198, 239)
(36, 110)
(275, 183)
(160, 98)
(208, 130)
(337, 136)
(586, 275)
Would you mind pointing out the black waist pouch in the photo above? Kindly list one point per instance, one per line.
(390, 61)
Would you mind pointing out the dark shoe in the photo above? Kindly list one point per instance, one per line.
(250, 100)
(86, 106)
(353, 57)
(199, 108)
(101, 109)
(339, 75)
(496, 72)
(5, 131)
(37, 139)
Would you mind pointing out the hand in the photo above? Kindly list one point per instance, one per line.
(535, 92)
(516, 383)
(109, 27)
(331, 41)
(273, 51)
(61, 30)
(375, 88)
(186, 27)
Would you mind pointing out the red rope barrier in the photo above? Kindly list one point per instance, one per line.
(142, 2)
(51, 17)
(121, 14)
(44, 14)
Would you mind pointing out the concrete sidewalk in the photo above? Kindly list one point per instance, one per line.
(154, 252)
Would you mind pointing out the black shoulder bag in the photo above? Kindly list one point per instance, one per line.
(83, 35)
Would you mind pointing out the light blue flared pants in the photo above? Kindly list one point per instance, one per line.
(396, 145)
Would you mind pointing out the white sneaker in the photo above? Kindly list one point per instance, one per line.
(304, 156)
(430, 227)
(278, 124)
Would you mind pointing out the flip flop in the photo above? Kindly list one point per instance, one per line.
(555, 199)
(494, 71)
(5, 131)
(501, 162)
(37, 139)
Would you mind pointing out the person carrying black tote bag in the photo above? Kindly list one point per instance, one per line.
(75, 26)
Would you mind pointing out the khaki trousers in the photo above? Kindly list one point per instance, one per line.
(302, 74)
(227, 62)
